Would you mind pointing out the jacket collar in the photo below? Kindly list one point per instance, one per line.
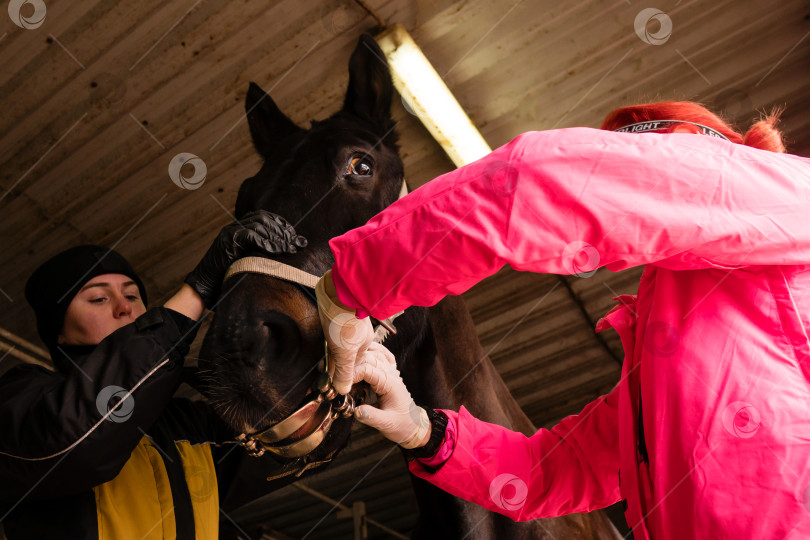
(66, 358)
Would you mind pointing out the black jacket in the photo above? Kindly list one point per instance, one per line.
(152, 466)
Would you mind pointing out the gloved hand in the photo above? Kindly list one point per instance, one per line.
(346, 336)
(398, 418)
(260, 231)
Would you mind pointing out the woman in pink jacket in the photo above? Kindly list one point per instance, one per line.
(707, 433)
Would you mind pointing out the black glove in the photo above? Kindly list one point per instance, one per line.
(261, 232)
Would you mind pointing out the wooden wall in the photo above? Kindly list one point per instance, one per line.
(99, 98)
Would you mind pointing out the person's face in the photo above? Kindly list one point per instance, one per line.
(103, 305)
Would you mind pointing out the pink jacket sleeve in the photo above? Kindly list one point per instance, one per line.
(569, 201)
(573, 467)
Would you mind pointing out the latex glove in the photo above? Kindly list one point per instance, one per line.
(398, 418)
(347, 337)
(261, 232)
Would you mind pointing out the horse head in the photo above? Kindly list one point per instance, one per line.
(261, 353)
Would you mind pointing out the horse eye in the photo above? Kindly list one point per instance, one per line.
(358, 167)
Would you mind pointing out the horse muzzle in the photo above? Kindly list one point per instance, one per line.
(304, 430)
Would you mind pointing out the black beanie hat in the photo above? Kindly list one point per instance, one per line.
(53, 285)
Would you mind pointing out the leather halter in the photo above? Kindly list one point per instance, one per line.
(305, 429)
(301, 432)
(291, 438)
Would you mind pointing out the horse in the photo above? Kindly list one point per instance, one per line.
(260, 353)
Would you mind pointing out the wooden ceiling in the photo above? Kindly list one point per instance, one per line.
(99, 99)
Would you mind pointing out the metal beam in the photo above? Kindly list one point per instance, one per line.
(23, 350)
(587, 316)
(333, 502)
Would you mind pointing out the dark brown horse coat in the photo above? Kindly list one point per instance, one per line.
(265, 338)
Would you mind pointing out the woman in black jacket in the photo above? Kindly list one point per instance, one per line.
(98, 448)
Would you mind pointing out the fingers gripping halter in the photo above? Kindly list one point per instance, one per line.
(305, 429)
(302, 431)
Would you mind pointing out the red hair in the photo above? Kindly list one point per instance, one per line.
(762, 134)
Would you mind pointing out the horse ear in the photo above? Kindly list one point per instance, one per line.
(268, 125)
(370, 86)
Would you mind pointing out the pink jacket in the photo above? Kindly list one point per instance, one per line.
(717, 357)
